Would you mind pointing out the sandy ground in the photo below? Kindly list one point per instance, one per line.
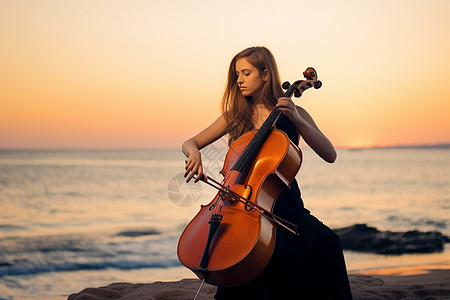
(396, 283)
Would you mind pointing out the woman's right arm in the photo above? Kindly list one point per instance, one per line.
(191, 148)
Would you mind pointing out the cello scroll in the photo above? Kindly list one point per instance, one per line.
(299, 86)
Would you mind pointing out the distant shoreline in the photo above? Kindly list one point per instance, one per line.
(423, 146)
(412, 146)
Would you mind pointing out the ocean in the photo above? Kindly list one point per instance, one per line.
(72, 219)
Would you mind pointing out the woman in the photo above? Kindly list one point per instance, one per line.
(310, 265)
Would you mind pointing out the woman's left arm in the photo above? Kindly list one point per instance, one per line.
(308, 129)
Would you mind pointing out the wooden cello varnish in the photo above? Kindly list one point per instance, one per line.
(231, 239)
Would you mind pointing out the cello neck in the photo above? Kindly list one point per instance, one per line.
(251, 151)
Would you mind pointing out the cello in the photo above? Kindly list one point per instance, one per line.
(231, 240)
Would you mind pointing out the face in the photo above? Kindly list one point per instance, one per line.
(249, 79)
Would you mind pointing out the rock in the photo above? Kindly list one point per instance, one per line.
(361, 237)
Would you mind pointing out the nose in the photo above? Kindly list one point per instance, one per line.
(240, 79)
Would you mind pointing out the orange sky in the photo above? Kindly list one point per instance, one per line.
(145, 74)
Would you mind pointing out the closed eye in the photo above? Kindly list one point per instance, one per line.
(245, 72)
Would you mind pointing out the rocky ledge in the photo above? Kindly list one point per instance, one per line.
(363, 238)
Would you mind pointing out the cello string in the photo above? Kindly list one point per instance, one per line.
(256, 143)
(253, 148)
(248, 155)
(236, 197)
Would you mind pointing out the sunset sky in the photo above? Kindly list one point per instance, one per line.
(150, 74)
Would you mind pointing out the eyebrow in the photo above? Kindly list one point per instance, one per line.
(248, 70)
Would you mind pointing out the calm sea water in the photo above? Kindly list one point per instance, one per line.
(73, 219)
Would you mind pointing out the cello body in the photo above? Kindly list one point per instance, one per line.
(244, 241)
(231, 240)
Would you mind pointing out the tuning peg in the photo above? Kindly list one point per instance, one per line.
(286, 85)
(317, 84)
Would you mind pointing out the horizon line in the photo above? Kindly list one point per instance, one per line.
(434, 145)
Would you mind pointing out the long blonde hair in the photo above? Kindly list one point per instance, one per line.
(237, 109)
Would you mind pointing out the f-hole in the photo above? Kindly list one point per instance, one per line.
(247, 206)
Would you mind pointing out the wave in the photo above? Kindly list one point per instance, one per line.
(12, 270)
(126, 250)
(149, 248)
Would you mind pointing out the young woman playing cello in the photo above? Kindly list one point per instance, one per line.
(305, 266)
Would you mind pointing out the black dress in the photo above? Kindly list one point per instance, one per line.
(306, 266)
